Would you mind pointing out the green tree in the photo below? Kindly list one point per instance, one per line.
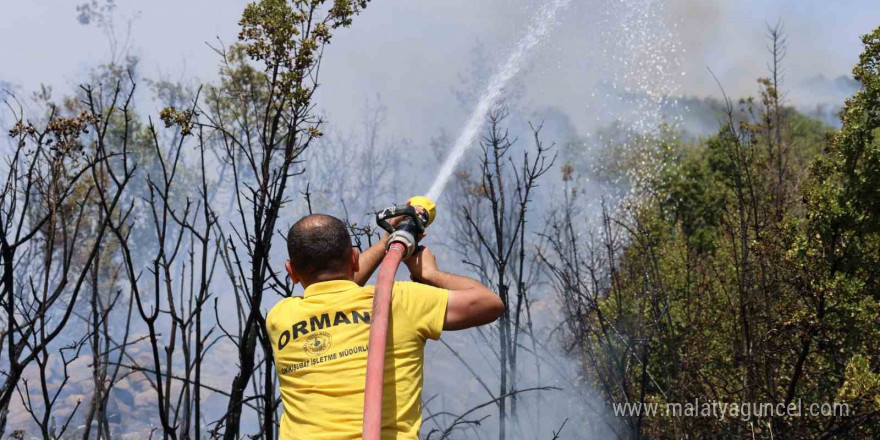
(837, 255)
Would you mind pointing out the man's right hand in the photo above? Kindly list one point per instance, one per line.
(422, 265)
(470, 303)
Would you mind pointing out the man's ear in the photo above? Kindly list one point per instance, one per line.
(355, 260)
(291, 271)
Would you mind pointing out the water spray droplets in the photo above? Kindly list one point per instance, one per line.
(643, 72)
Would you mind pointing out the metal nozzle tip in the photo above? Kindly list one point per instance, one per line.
(426, 203)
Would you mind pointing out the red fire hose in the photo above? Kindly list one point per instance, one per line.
(403, 241)
(378, 338)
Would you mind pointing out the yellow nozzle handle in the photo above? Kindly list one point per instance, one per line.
(426, 203)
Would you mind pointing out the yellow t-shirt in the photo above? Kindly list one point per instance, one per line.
(320, 343)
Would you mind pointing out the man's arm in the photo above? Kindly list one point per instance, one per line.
(369, 260)
(470, 303)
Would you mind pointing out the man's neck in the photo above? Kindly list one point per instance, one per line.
(327, 277)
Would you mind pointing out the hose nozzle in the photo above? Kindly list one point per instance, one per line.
(425, 203)
(411, 228)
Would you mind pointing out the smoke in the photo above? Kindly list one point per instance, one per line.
(821, 98)
(730, 39)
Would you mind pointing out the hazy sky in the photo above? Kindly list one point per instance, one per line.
(413, 53)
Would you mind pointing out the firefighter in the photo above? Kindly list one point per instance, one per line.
(320, 340)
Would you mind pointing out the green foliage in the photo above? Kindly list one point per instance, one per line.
(178, 118)
(691, 196)
(860, 382)
(842, 195)
(286, 37)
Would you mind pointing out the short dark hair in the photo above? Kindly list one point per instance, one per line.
(318, 243)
